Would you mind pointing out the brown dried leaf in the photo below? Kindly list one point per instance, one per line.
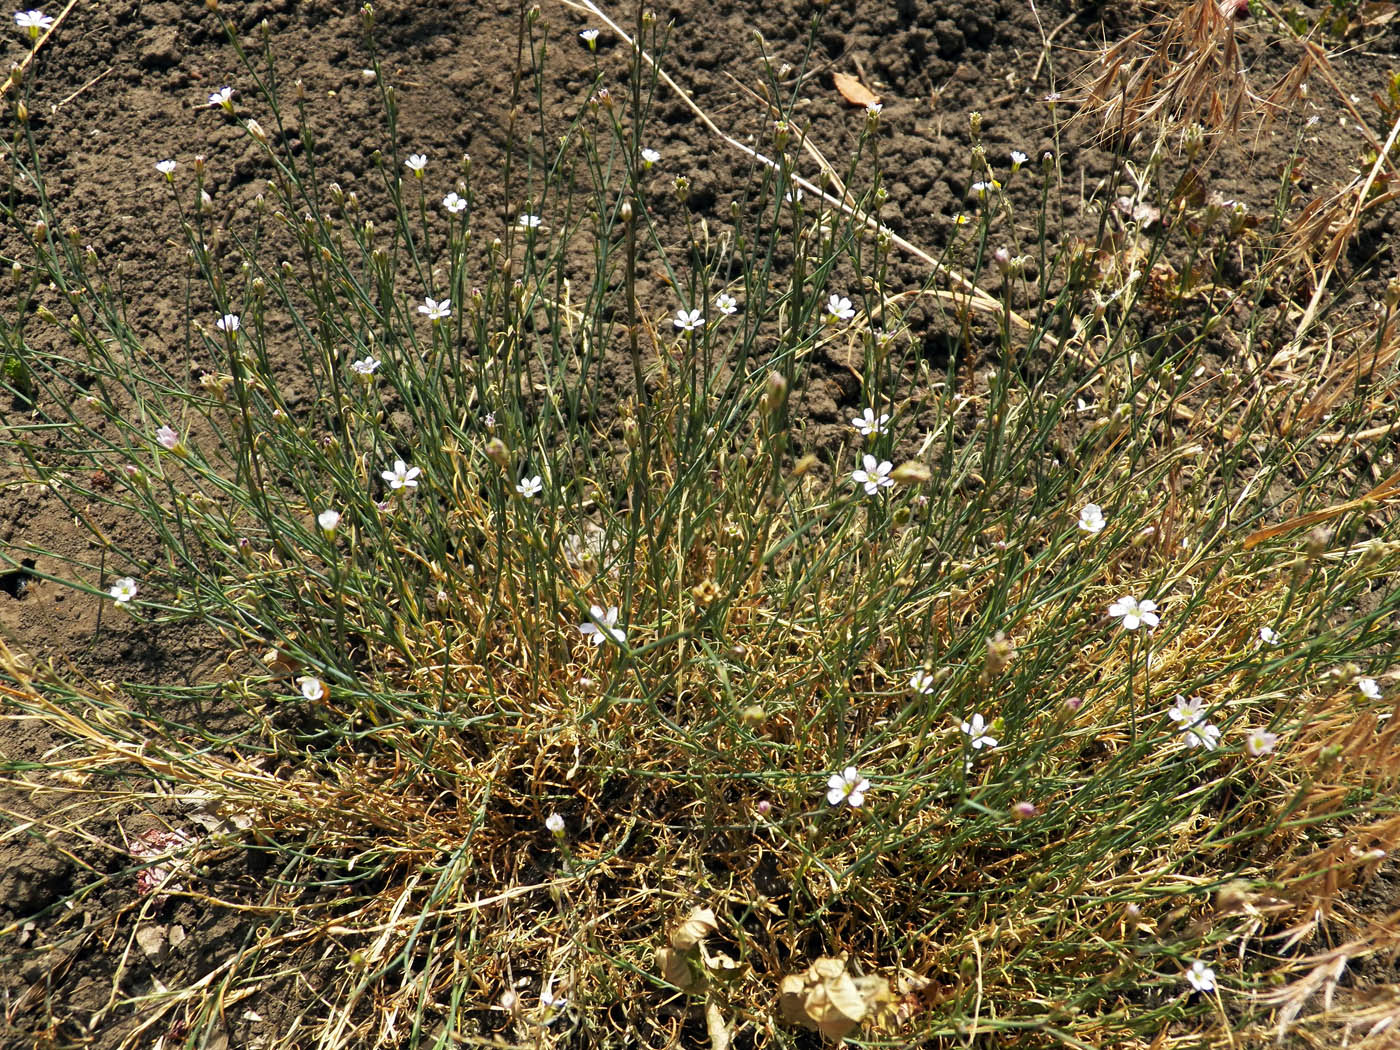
(674, 967)
(830, 1001)
(853, 91)
(697, 926)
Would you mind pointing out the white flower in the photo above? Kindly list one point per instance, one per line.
(328, 520)
(1268, 636)
(554, 824)
(649, 157)
(402, 476)
(311, 688)
(981, 189)
(166, 167)
(34, 21)
(875, 476)
(551, 1004)
(793, 195)
(1017, 159)
(366, 366)
(922, 682)
(874, 108)
(688, 320)
(1134, 613)
(528, 221)
(1091, 518)
(602, 625)
(726, 303)
(838, 308)
(868, 423)
(976, 730)
(1259, 742)
(416, 163)
(847, 786)
(167, 438)
(589, 37)
(228, 323)
(434, 310)
(1201, 976)
(454, 203)
(223, 97)
(1187, 712)
(1369, 688)
(1202, 734)
(529, 487)
(123, 590)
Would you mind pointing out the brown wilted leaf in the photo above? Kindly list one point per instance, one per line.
(697, 926)
(674, 967)
(830, 1001)
(853, 91)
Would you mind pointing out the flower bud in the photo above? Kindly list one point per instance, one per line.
(774, 393)
(496, 452)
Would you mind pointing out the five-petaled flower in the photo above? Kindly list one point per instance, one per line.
(529, 487)
(1091, 518)
(1202, 734)
(602, 625)
(1259, 742)
(123, 590)
(528, 221)
(874, 476)
(453, 203)
(312, 688)
(726, 303)
(868, 422)
(365, 366)
(977, 736)
(688, 320)
(228, 323)
(435, 310)
(838, 308)
(33, 22)
(166, 167)
(1187, 712)
(1134, 613)
(1201, 977)
(328, 520)
(848, 786)
(223, 98)
(922, 682)
(1369, 687)
(402, 476)
(416, 163)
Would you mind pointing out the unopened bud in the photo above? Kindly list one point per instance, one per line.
(774, 393)
(497, 453)
(1317, 542)
(999, 655)
(911, 472)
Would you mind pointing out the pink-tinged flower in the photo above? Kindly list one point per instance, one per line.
(1187, 712)
(1134, 613)
(167, 438)
(159, 844)
(847, 786)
